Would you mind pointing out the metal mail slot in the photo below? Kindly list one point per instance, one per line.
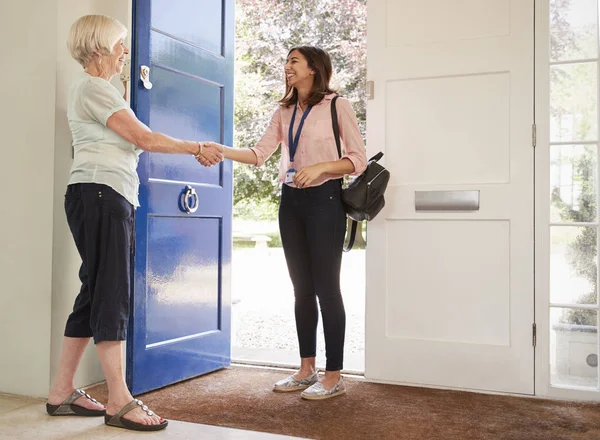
(447, 200)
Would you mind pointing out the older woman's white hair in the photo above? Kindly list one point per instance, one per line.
(94, 34)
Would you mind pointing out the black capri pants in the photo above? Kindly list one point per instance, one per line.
(101, 222)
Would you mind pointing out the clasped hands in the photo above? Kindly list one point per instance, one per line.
(211, 154)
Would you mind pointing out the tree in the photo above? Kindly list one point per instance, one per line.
(265, 31)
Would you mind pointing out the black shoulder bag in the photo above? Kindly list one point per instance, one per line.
(363, 198)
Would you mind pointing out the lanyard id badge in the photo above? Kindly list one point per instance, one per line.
(289, 176)
(293, 142)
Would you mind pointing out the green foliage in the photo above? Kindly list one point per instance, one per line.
(265, 31)
(581, 252)
(579, 316)
(255, 210)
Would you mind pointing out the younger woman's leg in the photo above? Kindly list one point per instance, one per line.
(295, 247)
(326, 229)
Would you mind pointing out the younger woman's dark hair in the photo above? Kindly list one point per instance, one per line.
(319, 61)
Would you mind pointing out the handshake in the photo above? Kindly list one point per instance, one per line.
(211, 153)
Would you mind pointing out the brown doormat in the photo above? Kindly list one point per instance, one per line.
(241, 398)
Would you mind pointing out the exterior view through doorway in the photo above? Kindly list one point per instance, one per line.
(263, 323)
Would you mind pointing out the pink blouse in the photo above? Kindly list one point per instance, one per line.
(317, 143)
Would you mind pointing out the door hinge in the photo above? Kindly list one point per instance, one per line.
(126, 72)
(534, 335)
(533, 135)
(370, 89)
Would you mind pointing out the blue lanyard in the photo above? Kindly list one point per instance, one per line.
(293, 142)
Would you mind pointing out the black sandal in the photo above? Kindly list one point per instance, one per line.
(68, 408)
(119, 422)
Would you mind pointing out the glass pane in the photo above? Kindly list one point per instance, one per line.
(573, 96)
(574, 347)
(573, 29)
(573, 265)
(573, 183)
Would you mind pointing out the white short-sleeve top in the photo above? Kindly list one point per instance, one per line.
(101, 155)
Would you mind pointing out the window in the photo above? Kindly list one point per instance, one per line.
(574, 220)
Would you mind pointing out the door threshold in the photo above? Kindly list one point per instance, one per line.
(245, 363)
(354, 362)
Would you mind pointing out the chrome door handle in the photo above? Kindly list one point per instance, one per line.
(189, 194)
(145, 77)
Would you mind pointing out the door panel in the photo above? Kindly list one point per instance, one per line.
(198, 23)
(181, 315)
(475, 319)
(450, 292)
(183, 292)
(449, 104)
(173, 113)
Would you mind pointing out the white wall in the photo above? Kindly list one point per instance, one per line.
(27, 94)
(38, 261)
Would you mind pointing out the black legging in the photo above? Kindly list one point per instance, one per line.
(313, 225)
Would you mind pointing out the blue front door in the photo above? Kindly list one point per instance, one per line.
(181, 309)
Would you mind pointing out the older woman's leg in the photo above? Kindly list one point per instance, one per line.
(101, 222)
(109, 264)
(111, 359)
(77, 330)
(72, 351)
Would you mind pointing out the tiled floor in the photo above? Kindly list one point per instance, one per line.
(26, 419)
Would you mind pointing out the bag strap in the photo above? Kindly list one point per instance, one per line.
(336, 131)
(336, 134)
(376, 157)
(336, 128)
(352, 236)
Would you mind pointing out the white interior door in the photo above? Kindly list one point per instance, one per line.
(450, 290)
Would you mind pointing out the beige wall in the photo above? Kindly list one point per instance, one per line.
(38, 262)
(66, 261)
(28, 48)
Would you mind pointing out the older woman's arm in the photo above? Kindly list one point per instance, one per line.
(256, 155)
(130, 128)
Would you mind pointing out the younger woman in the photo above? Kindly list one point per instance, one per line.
(312, 221)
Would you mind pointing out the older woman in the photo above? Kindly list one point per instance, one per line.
(100, 200)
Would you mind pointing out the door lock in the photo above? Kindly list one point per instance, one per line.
(145, 77)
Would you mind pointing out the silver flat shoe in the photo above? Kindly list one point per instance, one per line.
(290, 384)
(318, 391)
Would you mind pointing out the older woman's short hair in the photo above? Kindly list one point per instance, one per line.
(92, 34)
